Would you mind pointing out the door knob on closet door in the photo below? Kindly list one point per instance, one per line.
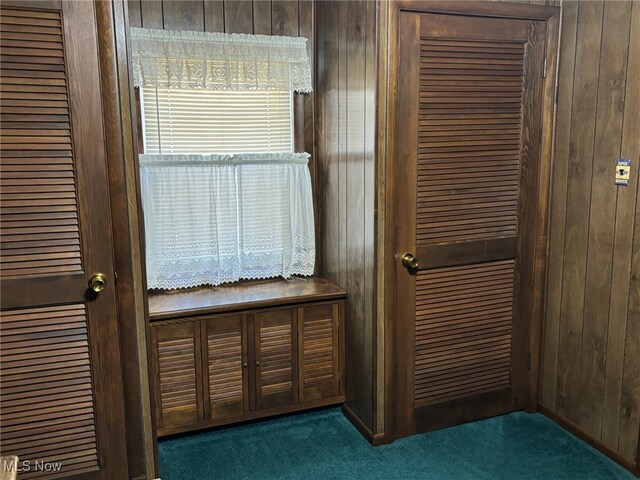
(257, 364)
(97, 281)
(410, 262)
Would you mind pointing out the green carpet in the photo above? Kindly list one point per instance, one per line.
(323, 445)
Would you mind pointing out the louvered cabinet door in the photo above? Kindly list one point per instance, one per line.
(61, 394)
(276, 365)
(468, 128)
(226, 373)
(177, 364)
(319, 347)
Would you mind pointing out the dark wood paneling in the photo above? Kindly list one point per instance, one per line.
(346, 49)
(262, 17)
(284, 17)
(151, 13)
(590, 376)
(238, 16)
(213, 16)
(183, 15)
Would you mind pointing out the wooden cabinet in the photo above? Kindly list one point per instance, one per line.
(215, 369)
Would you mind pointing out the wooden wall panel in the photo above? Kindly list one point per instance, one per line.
(183, 15)
(213, 16)
(590, 373)
(346, 88)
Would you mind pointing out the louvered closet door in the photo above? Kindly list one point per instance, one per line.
(61, 395)
(226, 373)
(468, 132)
(276, 364)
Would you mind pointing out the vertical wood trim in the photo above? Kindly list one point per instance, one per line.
(155, 369)
(252, 331)
(262, 17)
(135, 13)
(548, 118)
(404, 224)
(578, 195)
(300, 350)
(246, 358)
(131, 287)
(559, 202)
(369, 194)
(383, 336)
(203, 354)
(214, 16)
(337, 349)
(342, 23)
(341, 335)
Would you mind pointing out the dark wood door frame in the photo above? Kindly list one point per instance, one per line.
(387, 101)
(128, 233)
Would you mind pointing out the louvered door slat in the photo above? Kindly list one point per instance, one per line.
(27, 59)
(42, 409)
(459, 146)
(227, 368)
(276, 358)
(177, 365)
(319, 344)
(461, 349)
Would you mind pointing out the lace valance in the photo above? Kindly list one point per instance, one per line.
(219, 61)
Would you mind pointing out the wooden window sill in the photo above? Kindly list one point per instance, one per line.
(243, 296)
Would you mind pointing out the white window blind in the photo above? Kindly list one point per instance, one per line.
(210, 121)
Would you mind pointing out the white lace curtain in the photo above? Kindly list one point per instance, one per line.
(211, 219)
(219, 61)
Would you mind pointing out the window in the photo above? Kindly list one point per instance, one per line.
(224, 196)
(225, 121)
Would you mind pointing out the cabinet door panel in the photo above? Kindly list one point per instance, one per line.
(276, 371)
(318, 341)
(226, 377)
(178, 369)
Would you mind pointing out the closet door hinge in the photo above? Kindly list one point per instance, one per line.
(544, 68)
(529, 361)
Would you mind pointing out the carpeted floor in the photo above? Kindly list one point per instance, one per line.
(324, 445)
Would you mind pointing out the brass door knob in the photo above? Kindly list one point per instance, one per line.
(97, 282)
(409, 261)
